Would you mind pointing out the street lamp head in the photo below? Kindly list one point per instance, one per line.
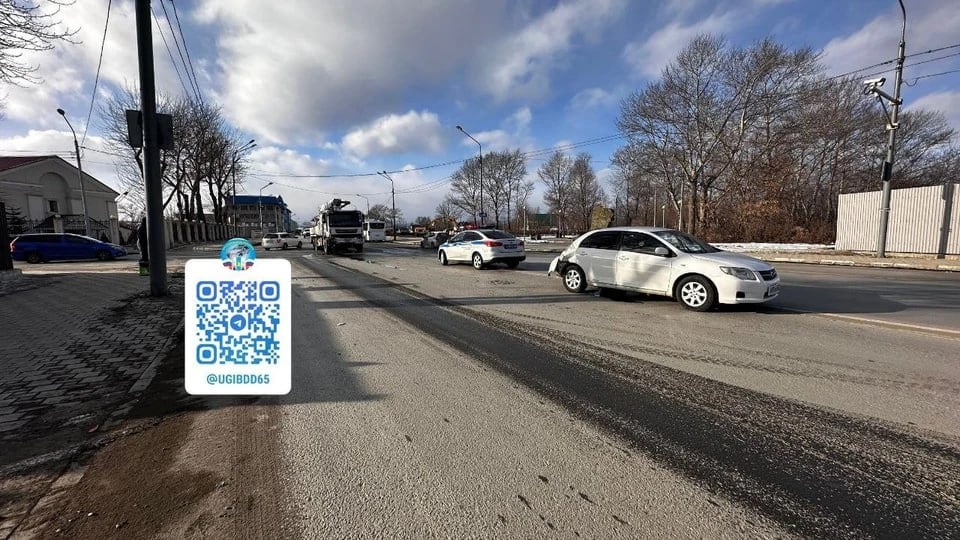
(61, 112)
(460, 128)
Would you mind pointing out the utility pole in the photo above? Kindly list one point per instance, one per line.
(151, 152)
(233, 168)
(393, 198)
(891, 144)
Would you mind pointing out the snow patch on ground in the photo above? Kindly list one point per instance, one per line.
(750, 247)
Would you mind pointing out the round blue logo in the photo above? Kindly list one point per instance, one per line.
(238, 254)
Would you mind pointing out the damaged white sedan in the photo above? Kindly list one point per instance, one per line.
(664, 262)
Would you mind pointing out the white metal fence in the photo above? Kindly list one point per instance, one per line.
(923, 220)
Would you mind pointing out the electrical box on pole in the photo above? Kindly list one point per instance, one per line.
(134, 128)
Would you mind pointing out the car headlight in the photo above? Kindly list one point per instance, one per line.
(740, 273)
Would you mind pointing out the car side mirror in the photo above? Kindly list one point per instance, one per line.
(661, 252)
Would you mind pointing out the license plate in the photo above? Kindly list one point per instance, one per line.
(773, 290)
(509, 246)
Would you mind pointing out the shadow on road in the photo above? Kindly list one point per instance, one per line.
(834, 300)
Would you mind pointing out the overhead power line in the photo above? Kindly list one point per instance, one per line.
(186, 49)
(915, 79)
(183, 61)
(96, 79)
(170, 53)
(894, 60)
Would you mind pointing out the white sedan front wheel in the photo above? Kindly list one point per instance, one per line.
(696, 293)
(573, 279)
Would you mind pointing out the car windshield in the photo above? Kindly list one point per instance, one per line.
(685, 243)
(497, 235)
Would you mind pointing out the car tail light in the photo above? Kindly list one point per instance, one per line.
(492, 243)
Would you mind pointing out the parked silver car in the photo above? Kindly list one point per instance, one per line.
(665, 262)
(433, 240)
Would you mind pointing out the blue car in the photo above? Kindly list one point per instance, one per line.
(36, 248)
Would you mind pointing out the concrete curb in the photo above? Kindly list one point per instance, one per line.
(862, 264)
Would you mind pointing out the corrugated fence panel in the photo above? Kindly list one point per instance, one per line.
(858, 217)
(953, 233)
(922, 220)
(915, 217)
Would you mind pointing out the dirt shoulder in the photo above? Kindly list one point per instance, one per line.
(178, 467)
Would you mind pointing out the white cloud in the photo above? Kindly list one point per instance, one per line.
(302, 68)
(514, 133)
(946, 102)
(520, 67)
(520, 120)
(649, 57)
(68, 71)
(930, 24)
(592, 98)
(397, 134)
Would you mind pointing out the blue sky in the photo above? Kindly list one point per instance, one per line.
(348, 87)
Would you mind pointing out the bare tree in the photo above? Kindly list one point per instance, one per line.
(696, 118)
(521, 198)
(502, 172)
(555, 175)
(585, 192)
(465, 188)
(379, 212)
(27, 25)
(448, 212)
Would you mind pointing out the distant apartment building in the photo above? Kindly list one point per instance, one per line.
(252, 210)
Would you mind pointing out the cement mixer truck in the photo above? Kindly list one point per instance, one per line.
(337, 230)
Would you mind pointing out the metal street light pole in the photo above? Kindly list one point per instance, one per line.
(393, 198)
(368, 203)
(83, 191)
(483, 215)
(891, 144)
(260, 201)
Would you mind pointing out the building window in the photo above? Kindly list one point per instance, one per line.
(54, 206)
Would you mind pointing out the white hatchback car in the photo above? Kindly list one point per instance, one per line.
(280, 240)
(482, 247)
(665, 262)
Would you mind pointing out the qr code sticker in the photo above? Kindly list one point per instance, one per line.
(237, 322)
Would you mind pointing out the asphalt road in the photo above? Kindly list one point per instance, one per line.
(453, 391)
(891, 295)
(913, 297)
(435, 401)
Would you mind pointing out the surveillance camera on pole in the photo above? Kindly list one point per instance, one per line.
(886, 170)
(872, 86)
